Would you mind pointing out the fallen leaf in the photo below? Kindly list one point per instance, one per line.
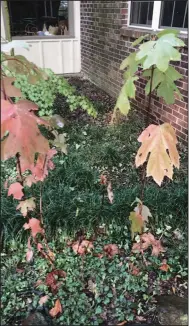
(26, 205)
(82, 247)
(43, 299)
(111, 250)
(164, 267)
(51, 280)
(15, 189)
(133, 269)
(56, 310)
(38, 283)
(110, 192)
(140, 318)
(160, 142)
(147, 240)
(29, 255)
(122, 323)
(103, 179)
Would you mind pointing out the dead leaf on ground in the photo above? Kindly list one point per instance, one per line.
(111, 250)
(164, 267)
(82, 247)
(110, 192)
(122, 323)
(51, 280)
(56, 310)
(43, 299)
(147, 240)
(140, 318)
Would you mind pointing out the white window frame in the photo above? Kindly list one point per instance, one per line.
(155, 19)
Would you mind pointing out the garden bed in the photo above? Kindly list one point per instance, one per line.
(100, 288)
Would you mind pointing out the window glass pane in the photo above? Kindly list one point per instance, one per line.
(38, 17)
(141, 12)
(174, 14)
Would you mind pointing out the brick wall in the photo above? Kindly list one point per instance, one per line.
(106, 41)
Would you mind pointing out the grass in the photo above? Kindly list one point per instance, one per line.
(72, 193)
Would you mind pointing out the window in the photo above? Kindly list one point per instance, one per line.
(159, 14)
(38, 18)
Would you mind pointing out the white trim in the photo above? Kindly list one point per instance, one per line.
(155, 19)
(156, 15)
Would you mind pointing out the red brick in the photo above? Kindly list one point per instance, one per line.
(180, 103)
(182, 123)
(184, 112)
(178, 115)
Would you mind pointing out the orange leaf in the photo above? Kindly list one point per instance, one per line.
(164, 267)
(34, 225)
(26, 205)
(15, 189)
(160, 142)
(24, 136)
(56, 310)
(43, 299)
(83, 247)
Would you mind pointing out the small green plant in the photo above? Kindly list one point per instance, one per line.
(44, 92)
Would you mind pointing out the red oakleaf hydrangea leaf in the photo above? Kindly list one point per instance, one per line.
(56, 310)
(40, 169)
(34, 225)
(111, 250)
(9, 88)
(51, 280)
(82, 247)
(15, 189)
(26, 205)
(24, 136)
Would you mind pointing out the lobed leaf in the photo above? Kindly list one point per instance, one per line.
(159, 142)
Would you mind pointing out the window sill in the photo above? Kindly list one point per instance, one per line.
(35, 37)
(135, 33)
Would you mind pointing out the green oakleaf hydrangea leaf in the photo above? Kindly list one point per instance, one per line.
(160, 52)
(130, 62)
(123, 102)
(128, 90)
(166, 83)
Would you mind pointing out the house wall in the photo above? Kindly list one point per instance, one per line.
(106, 41)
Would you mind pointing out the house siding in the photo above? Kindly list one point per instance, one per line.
(103, 47)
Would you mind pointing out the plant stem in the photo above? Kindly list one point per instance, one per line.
(147, 122)
(19, 168)
(150, 97)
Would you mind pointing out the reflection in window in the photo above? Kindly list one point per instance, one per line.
(141, 12)
(174, 14)
(39, 17)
